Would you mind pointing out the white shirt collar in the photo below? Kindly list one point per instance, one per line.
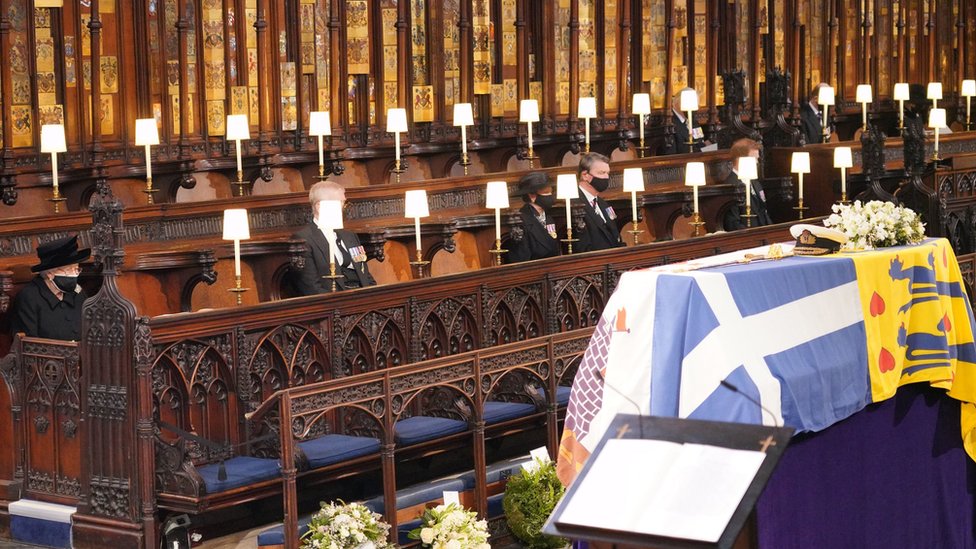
(680, 116)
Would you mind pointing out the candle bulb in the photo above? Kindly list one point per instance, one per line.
(236, 228)
(633, 183)
(587, 110)
(694, 178)
(688, 102)
(238, 128)
(825, 98)
(863, 96)
(748, 169)
(496, 197)
(415, 206)
(843, 159)
(567, 189)
(319, 125)
(800, 164)
(937, 120)
(53, 141)
(396, 122)
(641, 107)
(968, 91)
(901, 95)
(529, 113)
(934, 92)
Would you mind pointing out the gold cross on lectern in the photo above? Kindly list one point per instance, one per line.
(623, 430)
(766, 443)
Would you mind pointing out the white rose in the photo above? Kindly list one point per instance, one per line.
(427, 535)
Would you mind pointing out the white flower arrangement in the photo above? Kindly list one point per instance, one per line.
(451, 527)
(876, 224)
(346, 526)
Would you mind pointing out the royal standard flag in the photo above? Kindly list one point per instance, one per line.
(814, 339)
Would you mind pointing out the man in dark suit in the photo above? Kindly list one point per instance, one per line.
(50, 304)
(600, 229)
(733, 216)
(538, 235)
(680, 124)
(348, 255)
(810, 116)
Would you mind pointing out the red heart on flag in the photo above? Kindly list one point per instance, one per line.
(946, 323)
(877, 305)
(886, 362)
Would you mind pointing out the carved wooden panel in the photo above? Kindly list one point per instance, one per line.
(445, 327)
(513, 314)
(371, 341)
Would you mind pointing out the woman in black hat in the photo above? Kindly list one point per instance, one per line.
(538, 234)
(50, 305)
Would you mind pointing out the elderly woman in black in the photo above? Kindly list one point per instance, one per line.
(50, 304)
(538, 229)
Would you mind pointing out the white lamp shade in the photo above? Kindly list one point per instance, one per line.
(968, 88)
(863, 94)
(825, 96)
(415, 204)
(748, 168)
(566, 186)
(695, 174)
(688, 100)
(319, 123)
(463, 115)
(937, 118)
(901, 92)
(52, 139)
(587, 107)
(238, 127)
(146, 132)
(330, 215)
(633, 180)
(396, 120)
(496, 195)
(843, 157)
(235, 225)
(800, 163)
(529, 110)
(934, 91)
(642, 103)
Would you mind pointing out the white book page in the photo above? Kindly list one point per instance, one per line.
(701, 492)
(621, 483)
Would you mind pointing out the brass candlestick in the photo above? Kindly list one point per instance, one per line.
(569, 238)
(635, 232)
(237, 288)
(497, 252)
(419, 264)
(800, 208)
(240, 183)
(465, 162)
(748, 216)
(843, 198)
(149, 190)
(397, 169)
(697, 224)
(531, 156)
(57, 199)
(332, 274)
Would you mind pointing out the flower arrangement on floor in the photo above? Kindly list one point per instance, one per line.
(346, 526)
(876, 224)
(530, 497)
(451, 527)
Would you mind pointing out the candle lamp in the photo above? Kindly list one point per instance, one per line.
(147, 135)
(968, 90)
(694, 178)
(633, 184)
(825, 98)
(587, 110)
(843, 159)
(53, 142)
(496, 198)
(901, 94)
(320, 126)
(934, 92)
(396, 122)
(937, 120)
(238, 129)
(748, 171)
(236, 228)
(642, 108)
(863, 96)
(464, 117)
(415, 206)
(529, 113)
(688, 102)
(567, 189)
(800, 164)
(330, 219)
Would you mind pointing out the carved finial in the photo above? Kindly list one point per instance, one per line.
(872, 153)
(777, 88)
(106, 231)
(913, 147)
(734, 85)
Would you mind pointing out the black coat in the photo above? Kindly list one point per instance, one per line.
(733, 221)
(536, 242)
(39, 313)
(596, 234)
(355, 274)
(681, 136)
(811, 123)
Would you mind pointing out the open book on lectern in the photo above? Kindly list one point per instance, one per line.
(668, 482)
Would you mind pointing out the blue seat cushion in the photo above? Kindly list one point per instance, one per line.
(496, 412)
(276, 534)
(497, 472)
(421, 428)
(419, 493)
(329, 449)
(562, 395)
(495, 508)
(241, 471)
(404, 529)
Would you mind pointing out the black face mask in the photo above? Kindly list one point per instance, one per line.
(600, 183)
(66, 283)
(545, 201)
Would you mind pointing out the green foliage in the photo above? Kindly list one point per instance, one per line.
(530, 497)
